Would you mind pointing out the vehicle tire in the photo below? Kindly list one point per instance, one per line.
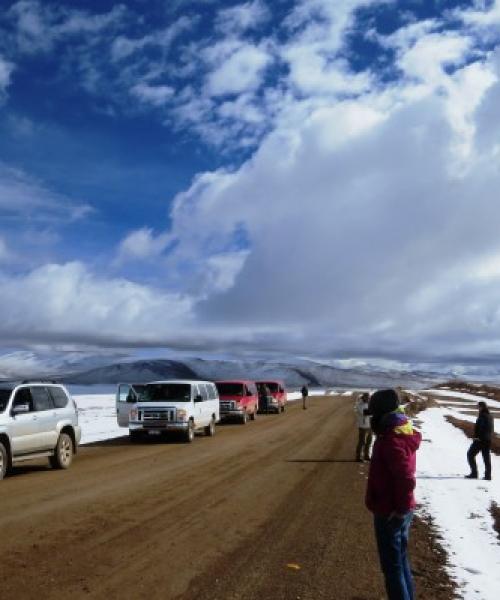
(244, 418)
(63, 452)
(4, 461)
(210, 428)
(253, 416)
(189, 433)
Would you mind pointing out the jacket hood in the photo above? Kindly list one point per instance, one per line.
(397, 423)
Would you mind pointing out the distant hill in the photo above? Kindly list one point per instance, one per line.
(294, 374)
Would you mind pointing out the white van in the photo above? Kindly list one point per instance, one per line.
(164, 406)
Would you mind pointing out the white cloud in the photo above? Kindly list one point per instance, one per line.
(39, 26)
(80, 306)
(242, 17)
(142, 244)
(124, 47)
(361, 235)
(242, 68)
(6, 69)
(156, 95)
(24, 197)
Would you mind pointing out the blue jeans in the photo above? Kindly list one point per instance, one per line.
(392, 542)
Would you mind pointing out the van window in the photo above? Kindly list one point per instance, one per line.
(230, 389)
(212, 391)
(167, 392)
(272, 385)
(41, 398)
(203, 391)
(58, 397)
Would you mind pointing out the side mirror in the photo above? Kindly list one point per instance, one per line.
(20, 409)
(198, 398)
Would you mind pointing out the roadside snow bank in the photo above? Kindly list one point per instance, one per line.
(463, 396)
(97, 417)
(458, 506)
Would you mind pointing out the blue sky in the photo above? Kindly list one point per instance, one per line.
(301, 177)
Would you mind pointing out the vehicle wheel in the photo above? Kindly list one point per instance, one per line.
(4, 461)
(244, 418)
(63, 453)
(210, 428)
(253, 416)
(189, 434)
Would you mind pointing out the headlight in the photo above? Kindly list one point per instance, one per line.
(133, 414)
(274, 400)
(181, 414)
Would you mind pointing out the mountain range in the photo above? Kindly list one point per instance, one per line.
(294, 374)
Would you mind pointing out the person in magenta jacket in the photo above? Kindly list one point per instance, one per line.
(389, 493)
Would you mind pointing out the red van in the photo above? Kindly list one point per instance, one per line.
(239, 399)
(272, 394)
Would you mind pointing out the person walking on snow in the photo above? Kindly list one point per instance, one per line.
(364, 428)
(482, 442)
(389, 492)
(305, 392)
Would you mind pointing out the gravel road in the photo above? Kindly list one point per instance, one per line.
(269, 510)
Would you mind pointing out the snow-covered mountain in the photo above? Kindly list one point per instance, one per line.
(293, 373)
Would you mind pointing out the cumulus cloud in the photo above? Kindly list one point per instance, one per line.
(81, 306)
(142, 244)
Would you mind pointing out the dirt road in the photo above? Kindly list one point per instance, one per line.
(221, 518)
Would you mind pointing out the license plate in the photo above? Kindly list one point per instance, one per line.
(154, 431)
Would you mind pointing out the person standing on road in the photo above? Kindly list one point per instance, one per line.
(389, 493)
(482, 442)
(305, 392)
(364, 428)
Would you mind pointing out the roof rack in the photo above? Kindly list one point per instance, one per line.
(38, 381)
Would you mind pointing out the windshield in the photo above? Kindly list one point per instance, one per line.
(165, 392)
(272, 385)
(4, 398)
(230, 389)
(139, 390)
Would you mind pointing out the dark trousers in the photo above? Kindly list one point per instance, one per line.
(364, 443)
(476, 447)
(392, 542)
(304, 399)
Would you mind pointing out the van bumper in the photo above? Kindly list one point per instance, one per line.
(159, 426)
(234, 413)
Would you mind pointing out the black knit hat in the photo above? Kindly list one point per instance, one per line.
(382, 402)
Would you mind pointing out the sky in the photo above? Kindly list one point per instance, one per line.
(290, 178)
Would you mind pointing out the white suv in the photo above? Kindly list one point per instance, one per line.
(37, 419)
(164, 406)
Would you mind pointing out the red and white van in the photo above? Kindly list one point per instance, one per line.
(273, 397)
(239, 399)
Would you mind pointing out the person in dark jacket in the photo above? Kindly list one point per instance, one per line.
(389, 492)
(305, 392)
(482, 442)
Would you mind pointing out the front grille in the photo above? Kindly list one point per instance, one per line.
(157, 415)
(225, 406)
